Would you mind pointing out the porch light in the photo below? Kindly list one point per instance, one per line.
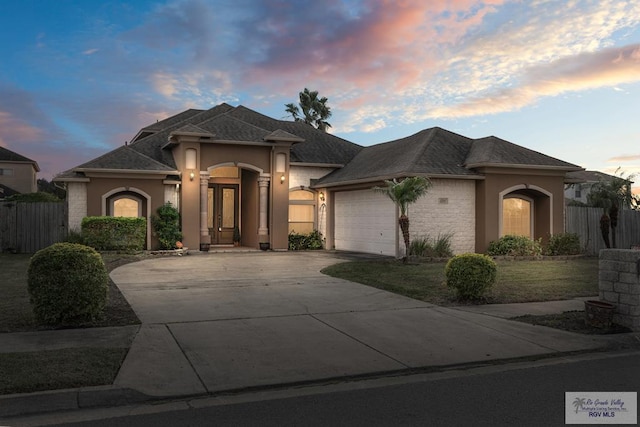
(321, 196)
(282, 178)
(190, 161)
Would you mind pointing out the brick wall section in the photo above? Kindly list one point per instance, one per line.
(619, 284)
(448, 207)
(77, 200)
(302, 175)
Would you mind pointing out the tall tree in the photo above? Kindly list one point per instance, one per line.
(611, 195)
(403, 193)
(311, 110)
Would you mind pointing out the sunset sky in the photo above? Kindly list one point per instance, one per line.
(79, 78)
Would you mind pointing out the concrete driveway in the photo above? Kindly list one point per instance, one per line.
(217, 322)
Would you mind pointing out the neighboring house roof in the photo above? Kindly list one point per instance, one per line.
(6, 191)
(437, 152)
(7, 155)
(587, 176)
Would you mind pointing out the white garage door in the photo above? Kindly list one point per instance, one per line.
(365, 221)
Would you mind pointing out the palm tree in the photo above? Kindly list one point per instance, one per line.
(315, 111)
(403, 193)
(611, 195)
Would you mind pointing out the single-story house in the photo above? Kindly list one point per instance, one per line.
(233, 167)
(17, 173)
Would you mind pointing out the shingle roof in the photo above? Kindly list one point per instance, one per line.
(7, 155)
(437, 152)
(493, 151)
(588, 176)
(125, 158)
(7, 191)
(432, 151)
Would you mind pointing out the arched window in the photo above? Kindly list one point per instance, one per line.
(517, 216)
(302, 211)
(126, 204)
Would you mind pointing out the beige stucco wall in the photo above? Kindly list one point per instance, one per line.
(448, 207)
(22, 178)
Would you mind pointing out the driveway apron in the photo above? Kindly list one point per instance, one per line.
(226, 321)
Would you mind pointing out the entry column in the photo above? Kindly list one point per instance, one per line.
(205, 238)
(263, 229)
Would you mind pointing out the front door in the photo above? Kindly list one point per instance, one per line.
(223, 212)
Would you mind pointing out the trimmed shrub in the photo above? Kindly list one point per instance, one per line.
(301, 242)
(429, 247)
(564, 244)
(67, 284)
(39, 197)
(166, 226)
(470, 275)
(515, 246)
(74, 236)
(110, 233)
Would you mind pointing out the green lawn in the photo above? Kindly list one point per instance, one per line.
(517, 281)
(67, 368)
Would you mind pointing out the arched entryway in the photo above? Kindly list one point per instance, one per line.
(526, 210)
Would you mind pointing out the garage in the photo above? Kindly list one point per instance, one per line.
(365, 221)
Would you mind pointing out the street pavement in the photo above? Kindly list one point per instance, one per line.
(230, 322)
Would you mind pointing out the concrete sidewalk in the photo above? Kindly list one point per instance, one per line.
(230, 322)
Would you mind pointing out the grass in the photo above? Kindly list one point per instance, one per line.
(58, 369)
(517, 281)
(570, 321)
(67, 368)
(15, 309)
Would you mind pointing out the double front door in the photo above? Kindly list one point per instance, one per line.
(222, 212)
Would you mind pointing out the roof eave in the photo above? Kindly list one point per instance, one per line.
(522, 166)
(396, 176)
(131, 171)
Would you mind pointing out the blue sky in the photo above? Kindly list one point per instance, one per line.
(79, 78)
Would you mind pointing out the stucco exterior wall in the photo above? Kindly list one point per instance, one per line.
(448, 207)
(301, 176)
(77, 204)
(22, 177)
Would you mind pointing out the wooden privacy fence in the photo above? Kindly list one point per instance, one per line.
(585, 222)
(29, 227)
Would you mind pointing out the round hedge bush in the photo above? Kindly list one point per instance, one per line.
(470, 275)
(68, 284)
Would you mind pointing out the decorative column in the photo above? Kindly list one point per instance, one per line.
(263, 229)
(205, 238)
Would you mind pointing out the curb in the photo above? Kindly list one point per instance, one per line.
(68, 399)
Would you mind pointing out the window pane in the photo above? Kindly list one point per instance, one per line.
(210, 207)
(301, 213)
(228, 207)
(302, 195)
(126, 207)
(516, 217)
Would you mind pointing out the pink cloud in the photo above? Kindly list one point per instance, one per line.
(624, 158)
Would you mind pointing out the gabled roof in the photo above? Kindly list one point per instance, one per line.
(126, 159)
(7, 155)
(149, 151)
(437, 152)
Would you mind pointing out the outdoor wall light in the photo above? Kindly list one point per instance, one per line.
(190, 157)
(282, 178)
(321, 196)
